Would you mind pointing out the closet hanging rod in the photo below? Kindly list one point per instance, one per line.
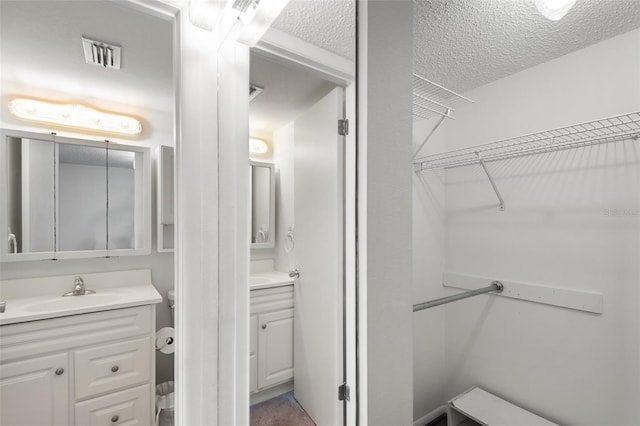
(495, 287)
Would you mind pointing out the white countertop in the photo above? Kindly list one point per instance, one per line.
(269, 279)
(41, 298)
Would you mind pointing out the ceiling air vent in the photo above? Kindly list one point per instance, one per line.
(101, 54)
(254, 91)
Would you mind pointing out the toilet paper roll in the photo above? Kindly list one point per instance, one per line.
(166, 340)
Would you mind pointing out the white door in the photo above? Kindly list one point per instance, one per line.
(35, 392)
(318, 215)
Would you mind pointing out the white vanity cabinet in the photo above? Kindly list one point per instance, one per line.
(271, 350)
(88, 369)
(35, 391)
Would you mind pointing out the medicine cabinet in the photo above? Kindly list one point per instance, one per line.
(65, 198)
(263, 196)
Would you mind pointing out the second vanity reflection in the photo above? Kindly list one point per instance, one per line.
(74, 198)
(263, 183)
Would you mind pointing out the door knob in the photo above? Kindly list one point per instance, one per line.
(295, 273)
(59, 371)
(115, 368)
(264, 326)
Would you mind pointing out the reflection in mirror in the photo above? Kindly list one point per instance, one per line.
(121, 199)
(82, 198)
(30, 195)
(262, 205)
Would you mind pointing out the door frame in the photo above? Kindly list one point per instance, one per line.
(288, 50)
(197, 394)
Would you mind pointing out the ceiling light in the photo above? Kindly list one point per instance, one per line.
(554, 9)
(205, 13)
(79, 116)
(258, 18)
(258, 146)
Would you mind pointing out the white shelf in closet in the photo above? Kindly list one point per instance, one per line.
(433, 100)
(607, 130)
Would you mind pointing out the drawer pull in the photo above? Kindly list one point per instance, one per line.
(59, 371)
(264, 326)
(115, 368)
(114, 419)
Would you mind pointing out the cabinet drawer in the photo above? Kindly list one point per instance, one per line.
(271, 299)
(27, 339)
(106, 368)
(129, 407)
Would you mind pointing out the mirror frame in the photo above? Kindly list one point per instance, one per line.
(142, 204)
(272, 204)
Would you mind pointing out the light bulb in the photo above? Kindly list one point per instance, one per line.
(257, 146)
(554, 9)
(74, 116)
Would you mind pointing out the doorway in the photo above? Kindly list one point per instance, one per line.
(297, 336)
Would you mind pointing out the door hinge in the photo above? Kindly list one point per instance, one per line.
(343, 127)
(343, 392)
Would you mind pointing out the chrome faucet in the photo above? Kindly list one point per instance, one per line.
(78, 288)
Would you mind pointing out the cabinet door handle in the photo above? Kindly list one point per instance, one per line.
(264, 326)
(115, 419)
(115, 368)
(59, 371)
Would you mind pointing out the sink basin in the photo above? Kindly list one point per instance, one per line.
(73, 302)
(259, 280)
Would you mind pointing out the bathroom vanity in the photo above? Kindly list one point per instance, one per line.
(271, 331)
(79, 360)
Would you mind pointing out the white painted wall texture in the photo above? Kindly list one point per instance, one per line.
(571, 221)
(384, 203)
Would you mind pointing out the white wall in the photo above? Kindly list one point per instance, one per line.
(561, 229)
(429, 237)
(384, 206)
(283, 142)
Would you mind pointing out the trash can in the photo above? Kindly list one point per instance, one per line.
(165, 404)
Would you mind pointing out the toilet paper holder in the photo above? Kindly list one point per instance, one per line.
(165, 340)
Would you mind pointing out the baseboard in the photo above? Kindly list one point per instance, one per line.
(431, 416)
(266, 394)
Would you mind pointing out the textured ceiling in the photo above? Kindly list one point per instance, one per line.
(329, 24)
(463, 44)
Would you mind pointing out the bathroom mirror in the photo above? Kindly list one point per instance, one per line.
(72, 198)
(263, 183)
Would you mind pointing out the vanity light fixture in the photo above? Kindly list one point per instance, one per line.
(554, 9)
(258, 146)
(75, 115)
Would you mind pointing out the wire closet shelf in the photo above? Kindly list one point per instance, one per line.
(606, 130)
(433, 100)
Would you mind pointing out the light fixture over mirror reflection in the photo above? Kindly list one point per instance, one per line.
(258, 146)
(554, 9)
(78, 116)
